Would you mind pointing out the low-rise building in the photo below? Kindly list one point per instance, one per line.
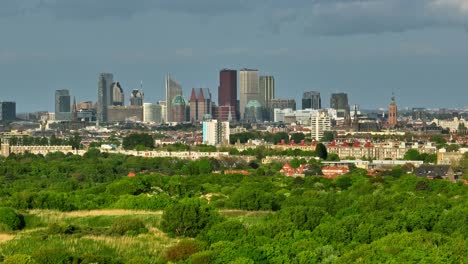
(332, 172)
(7, 150)
(450, 158)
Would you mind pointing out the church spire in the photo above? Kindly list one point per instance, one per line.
(74, 110)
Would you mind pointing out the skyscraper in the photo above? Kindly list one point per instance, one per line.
(227, 91)
(62, 105)
(267, 90)
(339, 101)
(118, 96)
(7, 111)
(200, 104)
(311, 100)
(173, 89)
(105, 81)
(392, 113)
(249, 88)
(136, 98)
(178, 109)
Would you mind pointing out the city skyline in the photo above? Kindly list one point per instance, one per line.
(186, 90)
(409, 47)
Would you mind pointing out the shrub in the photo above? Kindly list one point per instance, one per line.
(183, 250)
(225, 231)
(10, 220)
(125, 226)
(62, 229)
(202, 257)
(90, 258)
(189, 217)
(53, 256)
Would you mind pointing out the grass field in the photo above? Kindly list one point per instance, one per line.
(53, 236)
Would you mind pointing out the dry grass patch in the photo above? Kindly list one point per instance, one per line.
(55, 215)
(111, 212)
(6, 237)
(154, 245)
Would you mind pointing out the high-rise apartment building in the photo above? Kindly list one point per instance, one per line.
(173, 89)
(62, 105)
(227, 91)
(200, 104)
(105, 100)
(249, 89)
(7, 111)
(215, 132)
(320, 123)
(311, 100)
(267, 89)
(118, 96)
(136, 98)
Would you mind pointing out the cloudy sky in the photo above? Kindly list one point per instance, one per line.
(367, 48)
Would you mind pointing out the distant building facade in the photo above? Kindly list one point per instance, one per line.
(62, 105)
(7, 111)
(227, 92)
(215, 132)
(319, 124)
(267, 89)
(392, 113)
(278, 103)
(201, 105)
(136, 98)
(125, 113)
(249, 89)
(178, 109)
(225, 113)
(152, 113)
(254, 112)
(339, 101)
(173, 90)
(105, 81)
(311, 100)
(118, 96)
(163, 105)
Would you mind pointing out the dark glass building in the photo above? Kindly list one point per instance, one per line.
(62, 105)
(105, 95)
(311, 100)
(7, 111)
(339, 101)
